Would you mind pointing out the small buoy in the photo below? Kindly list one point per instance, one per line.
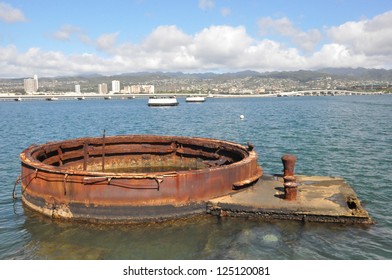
(242, 117)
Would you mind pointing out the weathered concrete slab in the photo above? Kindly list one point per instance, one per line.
(321, 199)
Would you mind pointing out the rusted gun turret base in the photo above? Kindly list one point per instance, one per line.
(319, 199)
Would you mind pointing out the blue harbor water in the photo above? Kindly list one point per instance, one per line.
(346, 136)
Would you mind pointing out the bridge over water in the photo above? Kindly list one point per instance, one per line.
(324, 92)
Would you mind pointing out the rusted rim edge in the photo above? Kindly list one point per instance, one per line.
(26, 158)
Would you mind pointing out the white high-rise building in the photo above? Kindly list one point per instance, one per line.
(115, 86)
(77, 88)
(36, 82)
(29, 86)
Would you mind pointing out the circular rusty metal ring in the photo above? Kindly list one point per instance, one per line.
(133, 177)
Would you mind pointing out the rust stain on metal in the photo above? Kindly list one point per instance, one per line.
(120, 178)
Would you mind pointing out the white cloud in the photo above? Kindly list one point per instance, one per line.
(269, 55)
(206, 4)
(50, 63)
(165, 38)
(364, 43)
(335, 55)
(219, 45)
(283, 26)
(11, 14)
(369, 37)
(65, 32)
(107, 42)
(8, 53)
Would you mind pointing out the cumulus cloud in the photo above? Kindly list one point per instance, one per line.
(369, 37)
(50, 63)
(11, 14)
(220, 44)
(364, 43)
(306, 40)
(269, 55)
(165, 38)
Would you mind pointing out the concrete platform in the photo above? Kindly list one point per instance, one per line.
(319, 199)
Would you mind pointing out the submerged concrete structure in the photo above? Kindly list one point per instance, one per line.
(294, 197)
(317, 199)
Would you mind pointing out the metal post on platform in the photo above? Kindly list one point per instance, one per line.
(288, 161)
(290, 182)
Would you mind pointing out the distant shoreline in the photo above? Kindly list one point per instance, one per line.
(83, 96)
(72, 96)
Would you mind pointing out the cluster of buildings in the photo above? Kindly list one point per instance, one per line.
(131, 89)
(31, 87)
(235, 84)
(265, 85)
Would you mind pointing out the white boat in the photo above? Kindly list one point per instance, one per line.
(18, 99)
(52, 99)
(80, 98)
(107, 97)
(162, 101)
(195, 98)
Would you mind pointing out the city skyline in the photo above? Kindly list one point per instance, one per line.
(30, 86)
(73, 37)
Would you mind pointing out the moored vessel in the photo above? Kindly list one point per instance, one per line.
(162, 101)
(195, 98)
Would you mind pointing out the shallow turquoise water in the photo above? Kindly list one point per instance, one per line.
(346, 136)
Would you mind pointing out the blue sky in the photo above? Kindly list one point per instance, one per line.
(56, 38)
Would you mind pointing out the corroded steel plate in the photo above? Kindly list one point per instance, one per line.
(133, 177)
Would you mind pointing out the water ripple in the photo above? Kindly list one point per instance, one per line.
(350, 137)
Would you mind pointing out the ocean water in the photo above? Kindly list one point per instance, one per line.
(346, 136)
